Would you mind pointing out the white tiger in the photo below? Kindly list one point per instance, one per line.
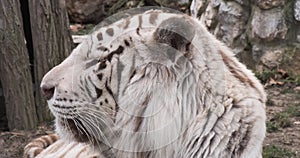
(155, 85)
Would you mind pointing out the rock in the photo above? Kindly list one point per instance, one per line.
(272, 58)
(242, 2)
(232, 19)
(252, 28)
(215, 3)
(209, 16)
(297, 10)
(269, 24)
(268, 4)
(297, 88)
(169, 3)
(88, 11)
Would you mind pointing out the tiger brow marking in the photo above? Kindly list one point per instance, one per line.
(127, 21)
(153, 18)
(140, 18)
(140, 21)
(110, 31)
(100, 36)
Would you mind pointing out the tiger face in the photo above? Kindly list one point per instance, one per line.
(84, 91)
(157, 82)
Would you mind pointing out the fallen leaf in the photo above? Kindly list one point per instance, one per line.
(76, 27)
(273, 82)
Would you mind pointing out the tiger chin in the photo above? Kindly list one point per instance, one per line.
(157, 85)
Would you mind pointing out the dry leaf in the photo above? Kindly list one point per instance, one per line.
(273, 82)
(76, 27)
(283, 72)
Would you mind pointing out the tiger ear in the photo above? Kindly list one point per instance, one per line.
(178, 32)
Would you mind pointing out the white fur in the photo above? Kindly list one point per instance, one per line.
(204, 103)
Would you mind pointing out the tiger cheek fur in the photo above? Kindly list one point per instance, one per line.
(157, 85)
(81, 94)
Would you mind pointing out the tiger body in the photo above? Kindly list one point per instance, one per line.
(156, 85)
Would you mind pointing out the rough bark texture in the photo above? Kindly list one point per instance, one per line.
(51, 43)
(263, 34)
(14, 68)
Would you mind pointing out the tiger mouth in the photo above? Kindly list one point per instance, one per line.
(76, 128)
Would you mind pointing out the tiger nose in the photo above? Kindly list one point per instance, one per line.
(47, 90)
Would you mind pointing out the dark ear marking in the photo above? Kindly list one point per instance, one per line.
(177, 32)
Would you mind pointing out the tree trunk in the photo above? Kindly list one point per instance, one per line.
(15, 69)
(51, 43)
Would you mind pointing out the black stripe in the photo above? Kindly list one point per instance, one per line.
(87, 89)
(108, 89)
(126, 43)
(98, 92)
(112, 95)
(102, 65)
(100, 76)
(118, 51)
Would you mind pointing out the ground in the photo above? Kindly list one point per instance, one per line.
(283, 126)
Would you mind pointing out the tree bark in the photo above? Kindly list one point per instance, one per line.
(51, 43)
(15, 69)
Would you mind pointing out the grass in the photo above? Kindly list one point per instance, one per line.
(273, 151)
(293, 111)
(265, 75)
(272, 127)
(277, 74)
(283, 119)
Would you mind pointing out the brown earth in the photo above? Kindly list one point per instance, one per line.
(283, 137)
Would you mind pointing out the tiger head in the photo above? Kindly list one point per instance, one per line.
(119, 69)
